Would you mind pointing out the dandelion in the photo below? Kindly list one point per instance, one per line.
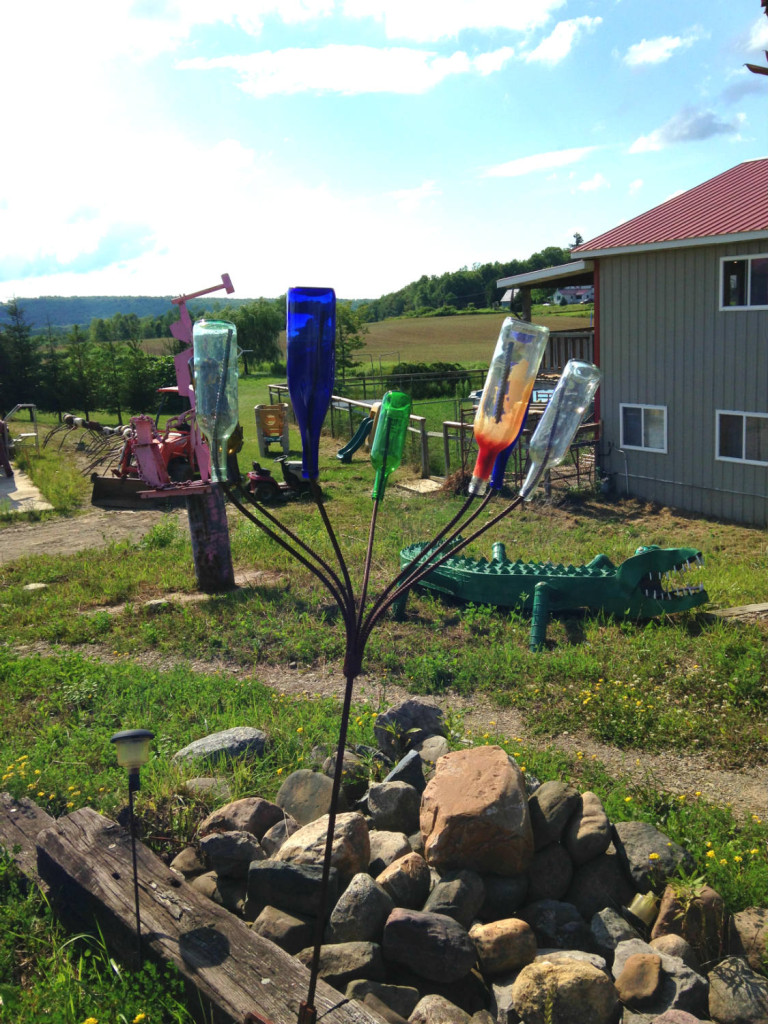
(710, 853)
(681, 798)
(723, 860)
(754, 851)
(300, 729)
(486, 735)
(653, 856)
(697, 793)
(70, 803)
(709, 842)
(139, 1018)
(40, 792)
(31, 785)
(279, 771)
(737, 859)
(627, 799)
(90, 1020)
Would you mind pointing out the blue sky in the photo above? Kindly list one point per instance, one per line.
(150, 145)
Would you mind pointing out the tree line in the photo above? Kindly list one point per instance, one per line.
(105, 366)
(462, 289)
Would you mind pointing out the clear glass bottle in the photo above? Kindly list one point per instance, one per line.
(215, 369)
(565, 411)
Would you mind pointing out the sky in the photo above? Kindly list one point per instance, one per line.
(151, 145)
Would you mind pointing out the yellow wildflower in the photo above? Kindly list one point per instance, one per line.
(139, 1018)
(723, 860)
(300, 729)
(627, 799)
(653, 856)
(710, 853)
(737, 859)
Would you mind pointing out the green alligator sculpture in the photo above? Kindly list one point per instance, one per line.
(634, 589)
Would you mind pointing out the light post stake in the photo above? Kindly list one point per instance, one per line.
(133, 752)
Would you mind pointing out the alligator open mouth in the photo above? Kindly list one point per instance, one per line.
(667, 586)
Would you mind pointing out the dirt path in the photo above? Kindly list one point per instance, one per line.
(746, 791)
(71, 534)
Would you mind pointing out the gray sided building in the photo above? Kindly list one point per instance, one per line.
(681, 335)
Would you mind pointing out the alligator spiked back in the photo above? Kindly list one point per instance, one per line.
(634, 589)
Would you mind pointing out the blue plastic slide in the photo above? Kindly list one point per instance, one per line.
(345, 454)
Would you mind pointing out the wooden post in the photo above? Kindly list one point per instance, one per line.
(211, 551)
(86, 860)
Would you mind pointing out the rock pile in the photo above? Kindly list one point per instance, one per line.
(458, 895)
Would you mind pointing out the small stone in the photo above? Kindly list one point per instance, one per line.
(230, 854)
(274, 837)
(351, 848)
(434, 1009)
(566, 992)
(347, 961)
(360, 912)
(431, 945)
(208, 788)
(394, 807)
(550, 807)
(639, 981)
(459, 894)
(400, 998)
(407, 881)
(188, 862)
(250, 814)
(386, 847)
(291, 931)
(503, 945)
(306, 795)
(737, 994)
(405, 724)
(588, 832)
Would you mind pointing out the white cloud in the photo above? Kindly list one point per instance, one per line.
(635, 186)
(537, 162)
(594, 183)
(349, 70)
(689, 125)
(758, 36)
(656, 51)
(430, 20)
(561, 41)
(410, 199)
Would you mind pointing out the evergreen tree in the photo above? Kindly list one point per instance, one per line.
(20, 360)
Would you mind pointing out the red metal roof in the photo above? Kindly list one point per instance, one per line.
(732, 203)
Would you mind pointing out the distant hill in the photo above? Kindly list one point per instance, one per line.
(63, 312)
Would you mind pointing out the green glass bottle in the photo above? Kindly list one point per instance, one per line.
(388, 444)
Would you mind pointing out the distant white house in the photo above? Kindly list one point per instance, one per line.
(573, 293)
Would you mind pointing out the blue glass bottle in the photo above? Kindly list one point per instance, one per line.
(311, 365)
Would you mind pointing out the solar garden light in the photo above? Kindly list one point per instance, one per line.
(133, 752)
(310, 334)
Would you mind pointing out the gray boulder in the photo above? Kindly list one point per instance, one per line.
(241, 741)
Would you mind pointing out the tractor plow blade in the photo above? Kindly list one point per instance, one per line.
(123, 492)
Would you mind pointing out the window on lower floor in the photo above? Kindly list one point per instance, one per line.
(744, 282)
(742, 437)
(644, 426)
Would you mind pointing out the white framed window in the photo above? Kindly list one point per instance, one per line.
(744, 282)
(742, 437)
(644, 427)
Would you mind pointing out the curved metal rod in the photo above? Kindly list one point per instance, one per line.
(424, 570)
(228, 490)
(403, 572)
(328, 583)
(434, 547)
(317, 494)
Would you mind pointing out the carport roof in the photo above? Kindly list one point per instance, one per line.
(578, 272)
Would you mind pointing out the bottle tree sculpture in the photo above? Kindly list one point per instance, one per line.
(500, 417)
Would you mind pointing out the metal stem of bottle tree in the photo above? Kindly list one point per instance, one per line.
(311, 330)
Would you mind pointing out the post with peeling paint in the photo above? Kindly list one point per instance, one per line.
(210, 541)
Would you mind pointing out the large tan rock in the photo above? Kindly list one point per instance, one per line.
(351, 847)
(474, 813)
(564, 992)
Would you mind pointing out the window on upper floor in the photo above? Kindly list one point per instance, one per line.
(742, 437)
(744, 282)
(644, 427)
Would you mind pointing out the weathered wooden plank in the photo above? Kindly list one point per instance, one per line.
(86, 860)
(20, 823)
